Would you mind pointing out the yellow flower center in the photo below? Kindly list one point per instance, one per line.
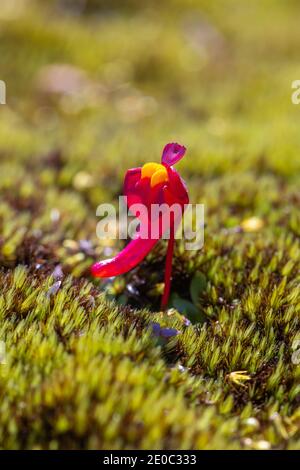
(156, 172)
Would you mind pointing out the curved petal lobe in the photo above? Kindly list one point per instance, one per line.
(126, 260)
(172, 153)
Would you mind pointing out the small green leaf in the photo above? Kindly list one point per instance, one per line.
(198, 285)
(188, 309)
(122, 299)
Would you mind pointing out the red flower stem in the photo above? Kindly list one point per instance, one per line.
(168, 268)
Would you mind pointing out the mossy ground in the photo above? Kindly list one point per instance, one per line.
(82, 371)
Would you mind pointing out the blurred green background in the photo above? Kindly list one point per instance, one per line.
(95, 87)
(110, 82)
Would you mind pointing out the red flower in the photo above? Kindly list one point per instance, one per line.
(158, 184)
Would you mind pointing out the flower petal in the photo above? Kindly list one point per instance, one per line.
(126, 260)
(172, 153)
(129, 188)
(177, 186)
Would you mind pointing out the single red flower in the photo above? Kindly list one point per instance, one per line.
(153, 184)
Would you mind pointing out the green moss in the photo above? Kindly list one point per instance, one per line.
(82, 367)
